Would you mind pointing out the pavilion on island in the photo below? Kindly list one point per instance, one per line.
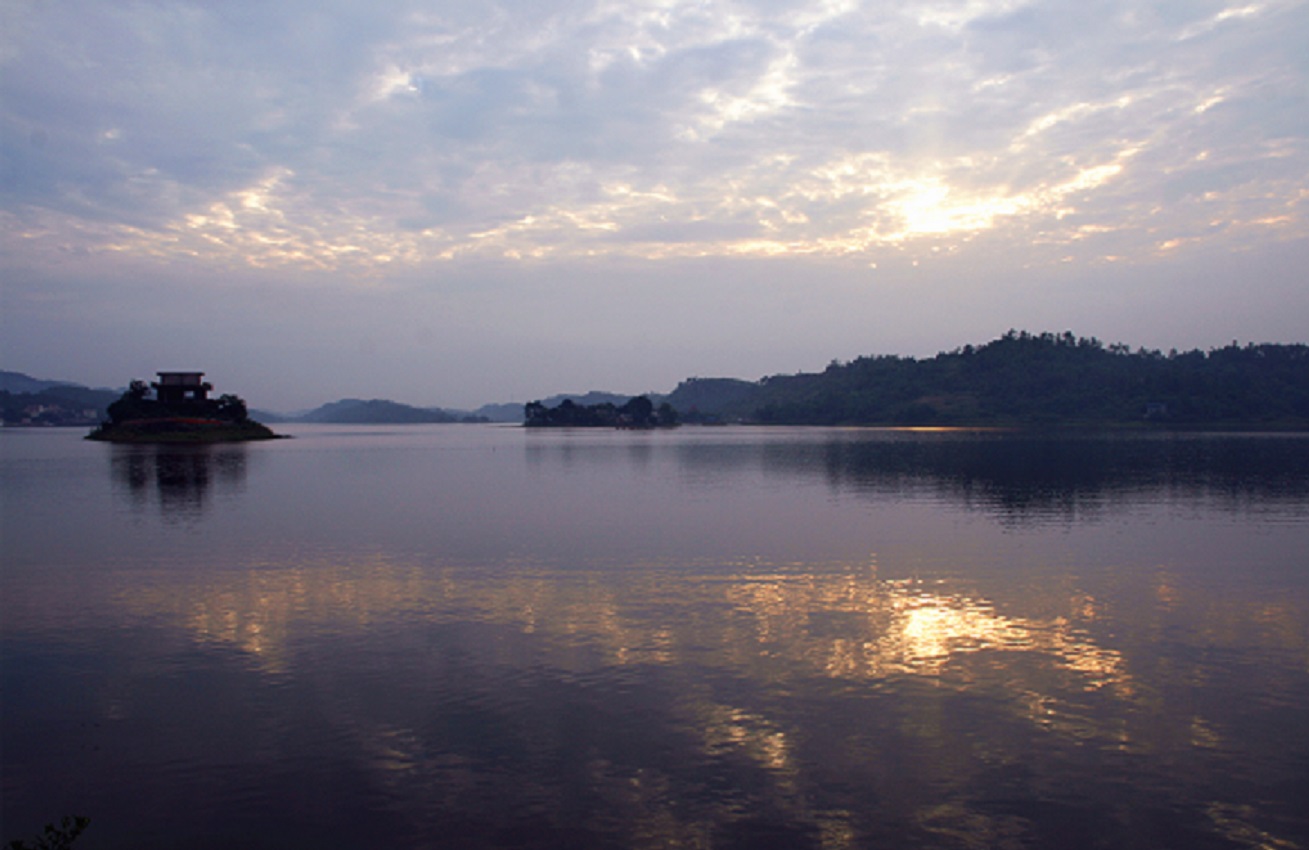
(174, 387)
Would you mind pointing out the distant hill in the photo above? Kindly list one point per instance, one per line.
(714, 399)
(378, 412)
(509, 411)
(25, 400)
(30, 401)
(1034, 379)
(267, 416)
(20, 383)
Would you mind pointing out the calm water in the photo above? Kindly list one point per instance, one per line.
(468, 636)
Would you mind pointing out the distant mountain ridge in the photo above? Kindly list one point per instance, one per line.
(25, 400)
(1025, 379)
(1018, 379)
(17, 382)
(377, 412)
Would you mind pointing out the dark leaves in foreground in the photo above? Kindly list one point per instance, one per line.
(59, 837)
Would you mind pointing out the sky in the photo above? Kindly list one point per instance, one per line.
(454, 203)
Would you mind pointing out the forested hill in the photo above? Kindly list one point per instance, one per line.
(1046, 378)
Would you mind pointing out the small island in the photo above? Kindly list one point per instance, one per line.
(638, 413)
(180, 412)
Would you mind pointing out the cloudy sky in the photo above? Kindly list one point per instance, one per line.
(452, 202)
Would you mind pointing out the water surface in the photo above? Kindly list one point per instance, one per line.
(478, 636)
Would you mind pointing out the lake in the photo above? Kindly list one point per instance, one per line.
(484, 636)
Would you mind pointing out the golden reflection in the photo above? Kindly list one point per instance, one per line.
(1234, 822)
(768, 745)
(1037, 651)
(1036, 654)
(1203, 734)
(963, 826)
(726, 727)
(258, 610)
(904, 627)
(845, 624)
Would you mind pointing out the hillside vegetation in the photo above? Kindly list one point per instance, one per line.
(1027, 379)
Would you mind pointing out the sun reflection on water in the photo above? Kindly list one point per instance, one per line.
(1049, 658)
(790, 624)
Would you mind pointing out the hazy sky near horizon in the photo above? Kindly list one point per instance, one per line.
(453, 203)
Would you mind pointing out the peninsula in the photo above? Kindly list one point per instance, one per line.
(179, 412)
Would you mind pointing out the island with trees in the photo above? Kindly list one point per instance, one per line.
(177, 409)
(637, 413)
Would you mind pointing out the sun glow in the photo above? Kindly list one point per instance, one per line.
(857, 204)
(930, 209)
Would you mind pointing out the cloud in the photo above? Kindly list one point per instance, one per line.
(170, 119)
(379, 142)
